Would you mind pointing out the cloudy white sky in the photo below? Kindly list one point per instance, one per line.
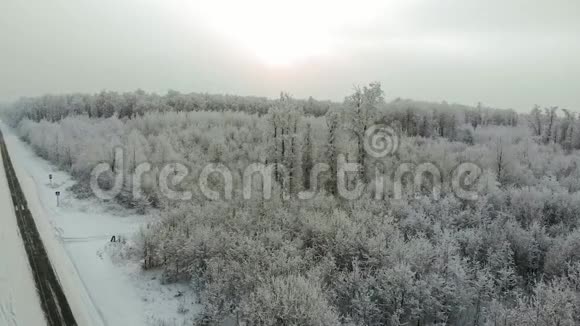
(505, 53)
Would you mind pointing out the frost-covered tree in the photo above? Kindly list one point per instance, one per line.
(361, 113)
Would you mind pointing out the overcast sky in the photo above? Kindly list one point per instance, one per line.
(504, 53)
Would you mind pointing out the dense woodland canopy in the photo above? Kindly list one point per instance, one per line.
(510, 257)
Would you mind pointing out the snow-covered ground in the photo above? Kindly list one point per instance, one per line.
(19, 302)
(77, 234)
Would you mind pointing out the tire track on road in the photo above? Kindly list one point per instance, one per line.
(53, 300)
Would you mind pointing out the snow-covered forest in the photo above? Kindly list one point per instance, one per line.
(510, 256)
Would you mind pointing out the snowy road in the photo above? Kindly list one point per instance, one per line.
(52, 298)
(19, 302)
(101, 290)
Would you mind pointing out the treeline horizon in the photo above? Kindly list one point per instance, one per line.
(125, 104)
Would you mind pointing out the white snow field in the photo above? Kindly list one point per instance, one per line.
(76, 234)
(19, 302)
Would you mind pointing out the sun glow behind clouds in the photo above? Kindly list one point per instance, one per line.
(282, 33)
